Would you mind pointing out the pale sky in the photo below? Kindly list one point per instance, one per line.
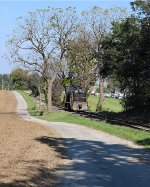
(10, 10)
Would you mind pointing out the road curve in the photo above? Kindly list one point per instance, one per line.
(97, 159)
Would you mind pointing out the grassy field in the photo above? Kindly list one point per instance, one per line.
(110, 104)
(137, 136)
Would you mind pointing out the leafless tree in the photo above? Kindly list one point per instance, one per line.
(66, 24)
(39, 42)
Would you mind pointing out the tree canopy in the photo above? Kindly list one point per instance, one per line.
(65, 48)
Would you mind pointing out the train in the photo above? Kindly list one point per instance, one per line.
(75, 99)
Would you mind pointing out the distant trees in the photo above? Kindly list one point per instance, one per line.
(5, 82)
(19, 78)
(22, 79)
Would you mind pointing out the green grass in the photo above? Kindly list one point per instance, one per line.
(110, 104)
(30, 103)
(137, 136)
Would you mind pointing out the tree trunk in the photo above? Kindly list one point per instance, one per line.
(49, 95)
(39, 88)
(101, 97)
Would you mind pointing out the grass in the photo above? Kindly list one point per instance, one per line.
(31, 104)
(139, 137)
(110, 104)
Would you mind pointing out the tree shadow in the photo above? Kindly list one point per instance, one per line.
(55, 143)
(143, 142)
(35, 173)
(94, 163)
(32, 173)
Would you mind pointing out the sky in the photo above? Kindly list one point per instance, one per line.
(10, 10)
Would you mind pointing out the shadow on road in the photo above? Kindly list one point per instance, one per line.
(96, 164)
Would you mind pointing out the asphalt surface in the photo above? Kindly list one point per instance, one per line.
(97, 159)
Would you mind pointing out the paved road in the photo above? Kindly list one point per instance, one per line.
(97, 159)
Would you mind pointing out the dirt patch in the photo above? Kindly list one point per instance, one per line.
(24, 160)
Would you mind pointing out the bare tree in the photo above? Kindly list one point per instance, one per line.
(66, 24)
(38, 43)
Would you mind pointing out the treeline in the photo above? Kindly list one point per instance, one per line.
(71, 49)
(5, 82)
(22, 79)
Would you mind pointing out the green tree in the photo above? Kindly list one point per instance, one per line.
(129, 46)
(5, 82)
(82, 66)
(35, 84)
(97, 22)
(19, 78)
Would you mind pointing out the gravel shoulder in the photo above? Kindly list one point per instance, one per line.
(95, 158)
(25, 160)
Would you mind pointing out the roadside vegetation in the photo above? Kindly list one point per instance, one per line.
(139, 137)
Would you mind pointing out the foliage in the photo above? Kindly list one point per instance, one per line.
(56, 43)
(112, 85)
(35, 84)
(98, 22)
(5, 82)
(19, 79)
(81, 63)
(129, 46)
(141, 8)
(57, 91)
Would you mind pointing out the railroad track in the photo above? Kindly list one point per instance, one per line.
(107, 118)
(115, 120)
